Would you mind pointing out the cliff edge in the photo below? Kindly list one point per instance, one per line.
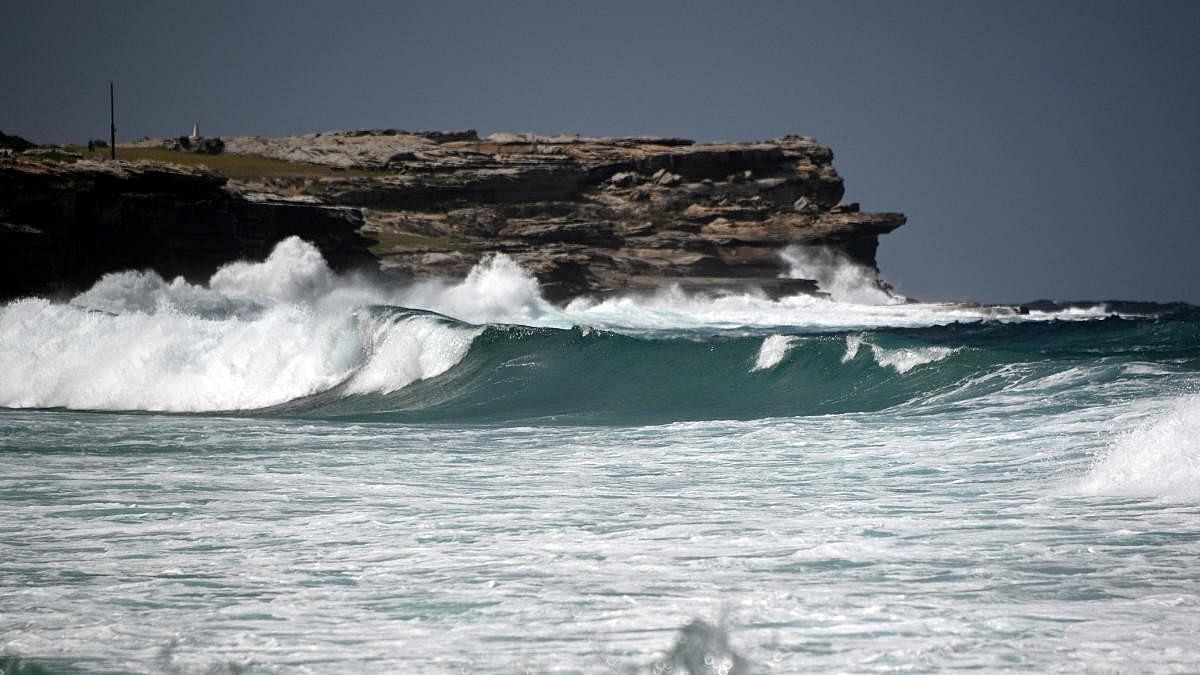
(585, 215)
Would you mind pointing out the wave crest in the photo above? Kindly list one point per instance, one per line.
(258, 335)
(900, 359)
(774, 348)
(287, 329)
(1158, 459)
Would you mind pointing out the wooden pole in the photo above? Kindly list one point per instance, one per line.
(112, 121)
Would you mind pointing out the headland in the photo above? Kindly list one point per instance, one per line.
(586, 215)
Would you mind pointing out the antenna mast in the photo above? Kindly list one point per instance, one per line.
(112, 121)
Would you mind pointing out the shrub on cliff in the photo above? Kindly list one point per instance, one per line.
(210, 146)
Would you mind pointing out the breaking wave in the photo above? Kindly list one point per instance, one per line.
(1159, 458)
(839, 276)
(287, 336)
(772, 351)
(902, 359)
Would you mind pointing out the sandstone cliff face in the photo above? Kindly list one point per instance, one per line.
(586, 215)
(591, 215)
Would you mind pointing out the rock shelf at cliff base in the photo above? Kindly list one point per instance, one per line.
(587, 216)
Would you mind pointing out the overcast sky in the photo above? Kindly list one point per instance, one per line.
(1039, 149)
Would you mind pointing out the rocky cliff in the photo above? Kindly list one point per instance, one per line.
(62, 226)
(586, 215)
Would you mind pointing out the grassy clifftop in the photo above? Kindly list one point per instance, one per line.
(234, 166)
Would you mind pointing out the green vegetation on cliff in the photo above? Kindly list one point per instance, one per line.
(236, 167)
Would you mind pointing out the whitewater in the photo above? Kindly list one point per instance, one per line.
(286, 469)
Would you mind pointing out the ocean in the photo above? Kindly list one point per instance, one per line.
(291, 470)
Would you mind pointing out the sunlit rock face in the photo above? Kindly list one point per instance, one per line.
(588, 216)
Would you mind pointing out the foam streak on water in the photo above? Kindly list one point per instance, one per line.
(864, 543)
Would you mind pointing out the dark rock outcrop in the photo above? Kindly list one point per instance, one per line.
(14, 143)
(586, 215)
(62, 226)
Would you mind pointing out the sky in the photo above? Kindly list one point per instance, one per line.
(1040, 149)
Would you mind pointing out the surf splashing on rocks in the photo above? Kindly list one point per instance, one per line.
(839, 276)
(259, 334)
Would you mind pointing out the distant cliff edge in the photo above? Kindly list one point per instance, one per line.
(585, 215)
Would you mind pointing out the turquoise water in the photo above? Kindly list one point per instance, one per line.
(285, 470)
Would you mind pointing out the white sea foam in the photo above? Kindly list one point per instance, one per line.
(902, 359)
(415, 348)
(497, 290)
(1160, 458)
(148, 293)
(853, 344)
(906, 358)
(60, 355)
(839, 276)
(261, 333)
(774, 348)
(294, 272)
(258, 334)
(672, 308)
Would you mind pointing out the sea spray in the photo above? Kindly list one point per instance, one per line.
(905, 359)
(497, 290)
(263, 334)
(853, 344)
(839, 276)
(294, 272)
(901, 359)
(148, 293)
(259, 334)
(774, 348)
(59, 355)
(409, 349)
(1158, 458)
(673, 310)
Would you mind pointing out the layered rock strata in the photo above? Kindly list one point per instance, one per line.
(585, 215)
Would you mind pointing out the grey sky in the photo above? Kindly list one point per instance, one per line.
(1039, 149)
